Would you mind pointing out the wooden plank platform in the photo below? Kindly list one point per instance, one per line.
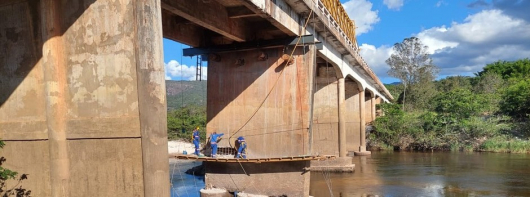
(253, 160)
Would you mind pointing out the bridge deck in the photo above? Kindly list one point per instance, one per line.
(253, 160)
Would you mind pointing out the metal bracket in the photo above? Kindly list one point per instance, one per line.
(261, 44)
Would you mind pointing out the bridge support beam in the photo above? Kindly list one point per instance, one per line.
(342, 122)
(362, 106)
(352, 115)
(362, 121)
(82, 97)
(372, 107)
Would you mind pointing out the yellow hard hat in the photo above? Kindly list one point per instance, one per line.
(197, 128)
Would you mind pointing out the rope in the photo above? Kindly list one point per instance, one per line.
(171, 178)
(181, 177)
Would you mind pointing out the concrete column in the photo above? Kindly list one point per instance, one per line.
(362, 148)
(372, 103)
(342, 122)
(269, 100)
(152, 97)
(55, 87)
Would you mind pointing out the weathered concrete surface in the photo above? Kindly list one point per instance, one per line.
(268, 101)
(33, 158)
(325, 115)
(339, 164)
(82, 95)
(342, 121)
(368, 103)
(352, 115)
(22, 116)
(215, 192)
(362, 122)
(209, 14)
(100, 167)
(272, 179)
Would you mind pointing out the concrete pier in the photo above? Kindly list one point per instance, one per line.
(82, 97)
(289, 178)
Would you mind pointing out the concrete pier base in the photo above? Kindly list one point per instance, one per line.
(340, 164)
(289, 178)
(215, 192)
(362, 153)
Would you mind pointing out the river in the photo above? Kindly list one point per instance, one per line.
(418, 174)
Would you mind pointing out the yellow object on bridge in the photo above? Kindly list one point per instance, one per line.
(342, 19)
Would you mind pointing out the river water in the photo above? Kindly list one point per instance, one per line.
(430, 174)
(409, 174)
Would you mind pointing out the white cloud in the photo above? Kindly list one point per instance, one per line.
(434, 43)
(183, 72)
(440, 3)
(393, 4)
(363, 15)
(465, 48)
(376, 57)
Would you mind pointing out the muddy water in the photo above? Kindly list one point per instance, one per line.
(429, 174)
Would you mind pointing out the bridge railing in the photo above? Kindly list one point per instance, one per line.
(339, 20)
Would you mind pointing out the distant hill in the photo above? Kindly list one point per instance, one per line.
(394, 83)
(185, 93)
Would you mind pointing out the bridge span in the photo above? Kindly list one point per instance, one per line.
(82, 86)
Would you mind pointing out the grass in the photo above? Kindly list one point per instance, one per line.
(504, 145)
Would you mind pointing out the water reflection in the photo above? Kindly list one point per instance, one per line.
(182, 184)
(430, 174)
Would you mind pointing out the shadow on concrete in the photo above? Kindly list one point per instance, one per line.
(22, 36)
(255, 168)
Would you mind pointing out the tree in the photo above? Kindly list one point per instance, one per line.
(458, 104)
(514, 69)
(411, 63)
(516, 101)
(454, 82)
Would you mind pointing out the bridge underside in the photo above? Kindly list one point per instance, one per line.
(281, 108)
(82, 90)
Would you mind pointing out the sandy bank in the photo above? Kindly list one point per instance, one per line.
(174, 147)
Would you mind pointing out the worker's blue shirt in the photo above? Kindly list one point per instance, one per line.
(213, 137)
(242, 146)
(196, 135)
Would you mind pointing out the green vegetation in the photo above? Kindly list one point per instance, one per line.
(186, 102)
(181, 122)
(488, 112)
(5, 175)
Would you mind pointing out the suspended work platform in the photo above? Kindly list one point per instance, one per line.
(253, 160)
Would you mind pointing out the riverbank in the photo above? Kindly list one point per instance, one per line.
(502, 145)
(494, 145)
(177, 146)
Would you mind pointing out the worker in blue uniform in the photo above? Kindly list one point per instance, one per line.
(213, 142)
(196, 139)
(242, 150)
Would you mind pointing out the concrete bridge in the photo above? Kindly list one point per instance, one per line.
(82, 89)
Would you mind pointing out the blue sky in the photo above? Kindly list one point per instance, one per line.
(463, 36)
